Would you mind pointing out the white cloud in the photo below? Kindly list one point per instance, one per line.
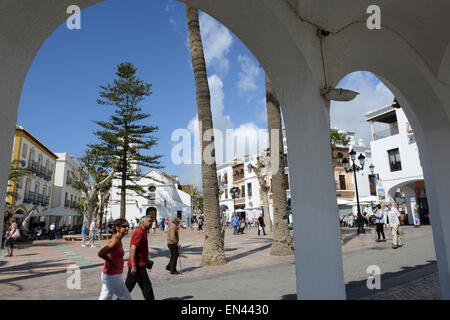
(248, 138)
(350, 116)
(249, 72)
(217, 41)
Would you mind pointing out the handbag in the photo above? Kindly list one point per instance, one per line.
(149, 264)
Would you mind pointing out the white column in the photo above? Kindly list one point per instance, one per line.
(437, 181)
(318, 257)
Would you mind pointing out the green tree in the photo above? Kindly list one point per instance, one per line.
(93, 175)
(124, 136)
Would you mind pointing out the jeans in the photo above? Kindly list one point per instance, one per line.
(235, 229)
(263, 230)
(142, 280)
(113, 285)
(174, 253)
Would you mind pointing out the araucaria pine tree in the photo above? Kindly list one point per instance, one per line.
(124, 136)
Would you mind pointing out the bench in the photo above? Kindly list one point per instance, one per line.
(78, 237)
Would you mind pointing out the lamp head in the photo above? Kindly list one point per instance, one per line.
(362, 159)
(345, 163)
(352, 155)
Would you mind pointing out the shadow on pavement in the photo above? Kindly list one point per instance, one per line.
(393, 280)
(180, 298)
(247, 253)
(292, 296)
(39, 265)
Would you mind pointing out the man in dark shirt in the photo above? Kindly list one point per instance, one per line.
(138, 260)
(261, 224)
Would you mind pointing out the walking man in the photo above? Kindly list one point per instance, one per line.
(379, 218)
(138, 260)
(173, 242)
(92, 229)
(261, 224)
(394, 222)
(235, 221)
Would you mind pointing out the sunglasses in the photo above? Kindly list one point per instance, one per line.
(126, 226)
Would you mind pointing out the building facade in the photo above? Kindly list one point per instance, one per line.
(65, 195)
(397, 163)
(33, 192)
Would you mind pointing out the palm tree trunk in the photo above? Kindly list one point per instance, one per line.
(213, 251)
(282, 243)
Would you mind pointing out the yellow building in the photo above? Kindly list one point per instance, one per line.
(33, 192)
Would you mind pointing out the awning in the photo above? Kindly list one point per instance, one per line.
(58, 212)
(344, 202)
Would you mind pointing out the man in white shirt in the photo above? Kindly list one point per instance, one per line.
(394, 222)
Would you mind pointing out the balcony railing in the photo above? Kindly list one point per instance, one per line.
(385, 133)
(30, 197)
(40, 170)
(33, 165)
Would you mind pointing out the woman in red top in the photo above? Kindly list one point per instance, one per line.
(112, 252)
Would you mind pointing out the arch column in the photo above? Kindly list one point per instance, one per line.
(318, 256)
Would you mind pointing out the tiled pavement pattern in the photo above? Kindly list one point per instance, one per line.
(38, 271)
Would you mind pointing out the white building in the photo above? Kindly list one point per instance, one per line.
(164, 199)
(397, 162)
(64, 194)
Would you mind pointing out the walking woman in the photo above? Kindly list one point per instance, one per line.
(379, 219)
(11, 234)
(112, 252)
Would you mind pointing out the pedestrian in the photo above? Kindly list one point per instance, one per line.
(132, 225)
(350, 220)
(12, 233)
(200, 224)
(223, 225)
(52, 231)
(166, 225)
(84, 233)
(173, 243)
(154, 226)
(138, 262)
(242, 226)
(235, 222)
(161, 224)
(112, 252)
(379, 219)
(394, 222)
(92, 229)
(261, 224)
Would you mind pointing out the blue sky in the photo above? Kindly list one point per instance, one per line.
(58, 102)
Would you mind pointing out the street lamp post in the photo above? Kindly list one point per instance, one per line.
(234, 194)
(355, 168)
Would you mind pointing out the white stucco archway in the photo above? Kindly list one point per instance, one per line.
(410, 58)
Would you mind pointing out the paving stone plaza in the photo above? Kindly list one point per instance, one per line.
(39, 270)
